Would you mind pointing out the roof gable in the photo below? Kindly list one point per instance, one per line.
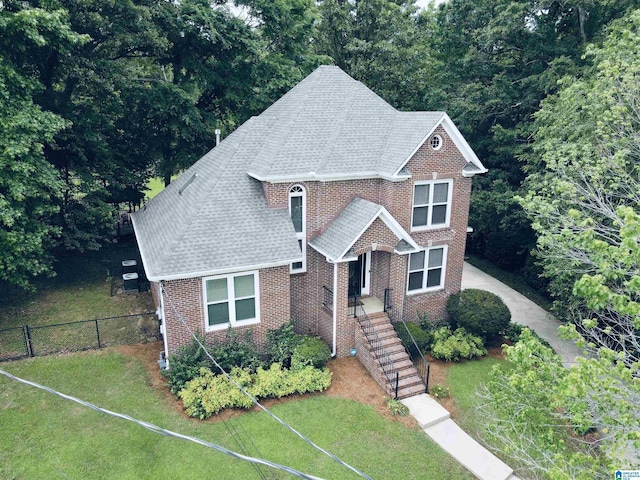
(337, 240)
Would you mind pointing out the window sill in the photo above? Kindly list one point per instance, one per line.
(413, 293)
(430, 229)
(225, 326)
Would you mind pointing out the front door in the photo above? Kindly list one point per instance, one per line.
(359, 275)
(355, 268)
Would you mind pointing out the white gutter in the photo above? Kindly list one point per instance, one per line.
(335, 309)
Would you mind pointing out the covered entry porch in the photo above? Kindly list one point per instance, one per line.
(364, 268)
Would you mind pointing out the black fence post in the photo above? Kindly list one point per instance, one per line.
(427, 383)
(27, 340)
(98, 333)
(397, 383)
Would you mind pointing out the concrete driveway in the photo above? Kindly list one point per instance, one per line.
(523, 311)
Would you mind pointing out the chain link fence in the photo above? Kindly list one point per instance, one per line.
(31, 341)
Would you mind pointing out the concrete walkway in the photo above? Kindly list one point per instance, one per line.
(434, 419)
(523, 312)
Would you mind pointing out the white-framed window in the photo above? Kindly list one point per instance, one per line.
(427, 270)
(436, 142)
(231, 300)
(298, 212)
(431, 204)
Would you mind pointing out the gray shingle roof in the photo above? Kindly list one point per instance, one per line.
(336, 241)
(332, 126)
(219, 223)
(327, 127)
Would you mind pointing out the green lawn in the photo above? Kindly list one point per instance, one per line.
(463, 380)
(45, 437)
(514, 279)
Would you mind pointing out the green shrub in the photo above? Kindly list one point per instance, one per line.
(185, 365)
(438, 392)
(281, 343)
(514, 330)
(236, 351)
(396, 407)
(207, 394)
(453, 346)
(311, 351)
(479, 312)
(430, 326)
(422, 338)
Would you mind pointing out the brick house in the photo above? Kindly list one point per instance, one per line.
(328, 199)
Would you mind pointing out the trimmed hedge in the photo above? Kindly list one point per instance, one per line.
(208, 393)
(422, 338)
(479, 312)
(310, 352)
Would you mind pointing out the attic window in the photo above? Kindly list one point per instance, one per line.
(436, 142)
(184, 187)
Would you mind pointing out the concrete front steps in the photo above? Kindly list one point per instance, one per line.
(409, 383)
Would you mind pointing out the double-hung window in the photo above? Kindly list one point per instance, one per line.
(431, 204)
(231, 300)
(427, 270)
(298, 212)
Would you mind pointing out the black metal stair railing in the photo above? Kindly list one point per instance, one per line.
(327, 297)
(421, 363)
(377, 347)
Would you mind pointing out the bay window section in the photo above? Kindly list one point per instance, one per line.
(427, 270)
(231, 300)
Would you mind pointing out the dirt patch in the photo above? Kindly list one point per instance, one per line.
(350, 380)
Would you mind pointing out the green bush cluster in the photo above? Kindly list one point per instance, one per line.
(421, 337)
(456, 345)
(232, 351)
(236, 350)
(479, 312)
(207, 394)
(185, 365)
(310, 352)
(281, 344)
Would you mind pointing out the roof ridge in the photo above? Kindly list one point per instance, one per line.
(331, 144)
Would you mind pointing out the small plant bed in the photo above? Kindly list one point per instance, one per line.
(240, 374)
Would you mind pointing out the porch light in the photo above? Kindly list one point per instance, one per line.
(352, 352)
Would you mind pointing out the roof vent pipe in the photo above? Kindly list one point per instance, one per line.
(217, 136)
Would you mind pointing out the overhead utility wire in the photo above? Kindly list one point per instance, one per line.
(161, 431)
(253, 399)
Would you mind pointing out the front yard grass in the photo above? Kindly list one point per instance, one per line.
(44, 436)
(463, 380)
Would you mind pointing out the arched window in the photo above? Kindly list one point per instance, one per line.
(298, 212)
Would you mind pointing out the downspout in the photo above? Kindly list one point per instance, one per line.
(164, 326)
(335, 309)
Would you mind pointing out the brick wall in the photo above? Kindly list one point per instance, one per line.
(184, 302)
(445, 163)
(325, 201)
(380, 273)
